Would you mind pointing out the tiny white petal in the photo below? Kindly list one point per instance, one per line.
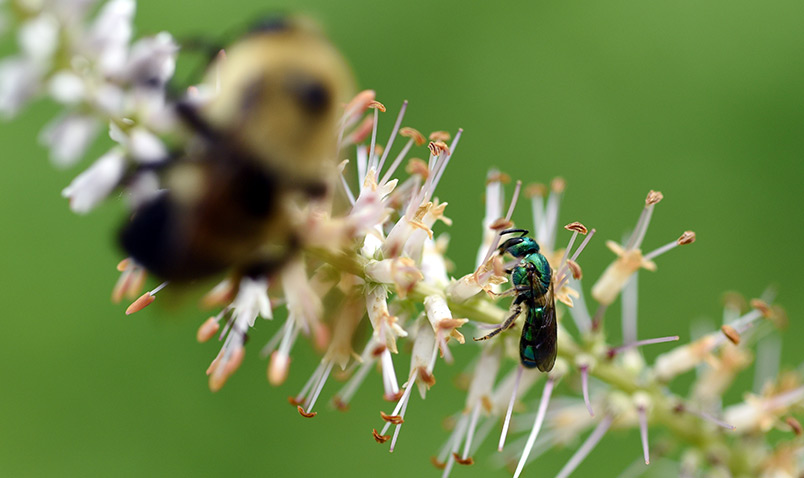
(67, 87)
(93, 185)
(111, 33)
(19, 82)
(38, 38)
(146, 147)
(68, 138)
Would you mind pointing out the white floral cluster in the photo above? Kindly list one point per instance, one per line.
(373, 261)
(90, 66)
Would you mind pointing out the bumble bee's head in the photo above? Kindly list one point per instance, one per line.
(279, 95)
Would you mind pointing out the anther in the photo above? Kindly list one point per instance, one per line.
(377, 105)
(500, 224)
(417, 166)
(731, 334)
(794, 425)
(576, 227)
(577, 273)
(463, 461)
(535, 190)
(393, 419)
(123, 265)
(438, 148)
(687, 238)
(305, 414)
(653, 198)
(413, 134)
(380, 438)
(440, 136)
(498, 178)
(761, 306)
(557, 185)
(141, 303)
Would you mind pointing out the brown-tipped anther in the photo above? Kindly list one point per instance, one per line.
(577, 273)
(141, 303)
(393, 397)
(379, 438)
(393, 419)
(440, 136)
(427, 377)
(731, 334)
(653, 198)
(305, 414)
(438, 464)
(207, 330)
(340, 404)
(794, 425)
(687, 238)
(487, 404)
(576, 227)
(498, 178)
(500, 224)
(123, 265)
(413, 134)
(438, 148)
(679, 408)
(557, 185)
(463, 461)
(761, 306)
(377, 105)
(535, 190)
(417, 166)
(378, 350)
(294, 401)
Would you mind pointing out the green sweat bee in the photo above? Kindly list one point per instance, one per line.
(531, 280)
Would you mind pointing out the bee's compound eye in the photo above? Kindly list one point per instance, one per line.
(312, 96)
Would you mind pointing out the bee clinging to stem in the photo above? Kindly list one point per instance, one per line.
(532, 287)
(264, 140)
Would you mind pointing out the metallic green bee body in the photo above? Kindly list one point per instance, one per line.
(531, 280)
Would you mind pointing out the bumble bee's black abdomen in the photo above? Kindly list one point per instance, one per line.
(153, 240)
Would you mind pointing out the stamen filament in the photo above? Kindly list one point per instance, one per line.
(391, 138)
(471, 432)
(586, 448)
(320, 386)
(585, 389)
(639, 343)
(537, 425)
(643, 432)
(510, 410)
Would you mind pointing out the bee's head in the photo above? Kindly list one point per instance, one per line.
(519, 246)
(279, 94)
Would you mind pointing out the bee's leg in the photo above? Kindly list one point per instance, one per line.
(509, 322)
(506, 293)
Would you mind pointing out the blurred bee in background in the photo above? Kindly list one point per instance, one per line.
(266, 139)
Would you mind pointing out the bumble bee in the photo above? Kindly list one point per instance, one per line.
(265, 139)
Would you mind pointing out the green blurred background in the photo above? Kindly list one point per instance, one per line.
(700, 100)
